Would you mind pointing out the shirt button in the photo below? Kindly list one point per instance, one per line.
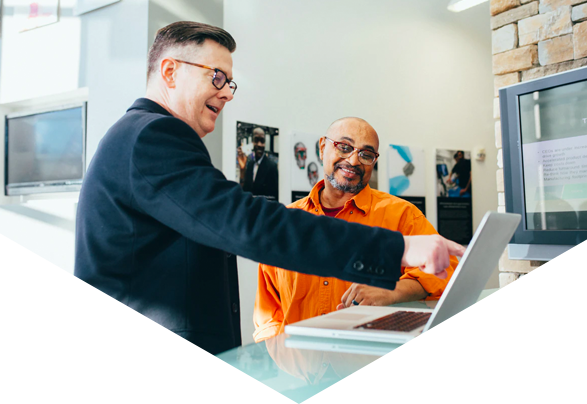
(234, 308)
(351, 212)
(325, 283)
(316, 210)
(358, 266)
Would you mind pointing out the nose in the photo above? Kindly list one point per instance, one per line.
(353, 159)
(226, 93)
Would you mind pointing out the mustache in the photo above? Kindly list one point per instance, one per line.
(355, 169)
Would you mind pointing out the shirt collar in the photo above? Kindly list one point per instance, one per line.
(361, 201)
(314, 197)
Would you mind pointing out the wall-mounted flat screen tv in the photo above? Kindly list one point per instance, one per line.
(45, 150)
(544, 133)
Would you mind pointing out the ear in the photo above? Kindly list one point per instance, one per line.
(322, 145)
(169, 71)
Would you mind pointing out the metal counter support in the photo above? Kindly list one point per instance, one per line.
(431, 384)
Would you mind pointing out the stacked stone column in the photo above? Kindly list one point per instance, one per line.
(532, 39)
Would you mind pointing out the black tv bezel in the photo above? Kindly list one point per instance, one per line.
(512, 158)
(47, 187)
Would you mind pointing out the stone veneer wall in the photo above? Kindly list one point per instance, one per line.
(532, 39)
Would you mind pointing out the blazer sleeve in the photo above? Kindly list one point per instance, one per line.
(173, 181)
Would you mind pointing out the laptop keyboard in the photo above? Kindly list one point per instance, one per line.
(399, 321)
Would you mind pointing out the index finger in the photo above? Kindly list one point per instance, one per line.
(455, 248)
(346, 295)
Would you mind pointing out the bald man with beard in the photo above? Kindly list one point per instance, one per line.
(349, 152)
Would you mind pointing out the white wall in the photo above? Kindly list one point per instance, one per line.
(113, 63)
(105, 51)
(41, 61)
(418, 73)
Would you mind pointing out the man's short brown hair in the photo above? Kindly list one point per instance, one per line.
(182, 33)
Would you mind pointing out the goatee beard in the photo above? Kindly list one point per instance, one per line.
(351, 189)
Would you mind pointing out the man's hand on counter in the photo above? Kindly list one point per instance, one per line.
(430, 253)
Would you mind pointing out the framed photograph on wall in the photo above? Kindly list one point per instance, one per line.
(306, 169)
(85, 6)
(35, 14)
(257, 159)
(454, 191)
(406, 174)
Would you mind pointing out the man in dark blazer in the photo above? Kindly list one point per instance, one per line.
(158, 227)
(261, 176)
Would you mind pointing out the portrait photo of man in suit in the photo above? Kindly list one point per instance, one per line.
(258, 169)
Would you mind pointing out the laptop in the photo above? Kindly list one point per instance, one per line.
(338, 345)
(399, 325)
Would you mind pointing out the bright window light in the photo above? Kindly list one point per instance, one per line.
(460, 5)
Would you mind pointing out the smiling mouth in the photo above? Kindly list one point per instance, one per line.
(351, 172)
(213, 109)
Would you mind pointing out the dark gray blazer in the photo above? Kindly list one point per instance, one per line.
(158, 228)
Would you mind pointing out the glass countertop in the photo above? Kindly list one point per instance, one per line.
(293, 369)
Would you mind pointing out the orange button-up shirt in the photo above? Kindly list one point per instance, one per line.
(285, 297)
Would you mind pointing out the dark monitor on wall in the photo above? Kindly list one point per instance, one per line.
(45, 150)
(544, 139)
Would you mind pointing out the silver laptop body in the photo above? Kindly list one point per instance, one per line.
(462, 291)
(374, 348)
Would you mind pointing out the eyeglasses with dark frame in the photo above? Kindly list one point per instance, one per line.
(345, 150)
(220, 78)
